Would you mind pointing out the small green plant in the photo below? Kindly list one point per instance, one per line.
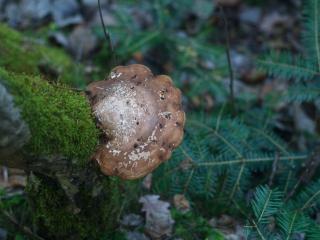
(14, 213)
(220, 158)
(190, 226)
(275, 218)
(303, 69)
(188, 58)
(224, 156)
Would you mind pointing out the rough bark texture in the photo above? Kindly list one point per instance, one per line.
(70, 199)
(14, 132)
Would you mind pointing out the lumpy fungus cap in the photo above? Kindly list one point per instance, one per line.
(141, 117)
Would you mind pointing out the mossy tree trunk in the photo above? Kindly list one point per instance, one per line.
(52, 139)
(70, 199)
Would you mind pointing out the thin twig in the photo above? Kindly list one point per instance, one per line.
(308, 172)
(107, 36)
(231, 73)
(274, 169)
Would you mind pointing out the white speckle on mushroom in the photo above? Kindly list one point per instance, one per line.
(166, 115)
(137, 155)
(161, 95)
(108, 145)
(142, 147)
(115, 152)
(120, 165)
(113, 75)
(134, 165)
(119, 74)
(153, 135)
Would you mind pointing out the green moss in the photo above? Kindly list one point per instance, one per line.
(58, 219)
(59, 119)
(24, 55)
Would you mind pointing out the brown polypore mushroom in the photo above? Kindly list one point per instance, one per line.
(141, 117)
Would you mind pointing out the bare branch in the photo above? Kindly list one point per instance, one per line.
(107, 36)
(231, 73)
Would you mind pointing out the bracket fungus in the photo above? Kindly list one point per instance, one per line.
(141, 118)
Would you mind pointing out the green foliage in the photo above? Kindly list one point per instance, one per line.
(190, 226)
(292, 222)
(19, 237)
(67, 130)
(296, 214)
(286, 66)
(314, 232)
(16, 206)
(219, 162)
(303, 70)
(10, 202)
(62, 218)
(219, 157)
(188, 58)
(265, 203)
(310, 197)
(276, 218)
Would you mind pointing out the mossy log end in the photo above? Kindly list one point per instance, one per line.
(59, 120)
(70, 198)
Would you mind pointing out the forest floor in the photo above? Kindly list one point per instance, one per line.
(254, 28)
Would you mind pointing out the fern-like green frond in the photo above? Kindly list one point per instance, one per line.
(306, 92)
(218, 157)
(310, 197)
(284, 65)
(311, 36)
(313, 232)
(291, 222)
(266, 203)
(303, 70)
